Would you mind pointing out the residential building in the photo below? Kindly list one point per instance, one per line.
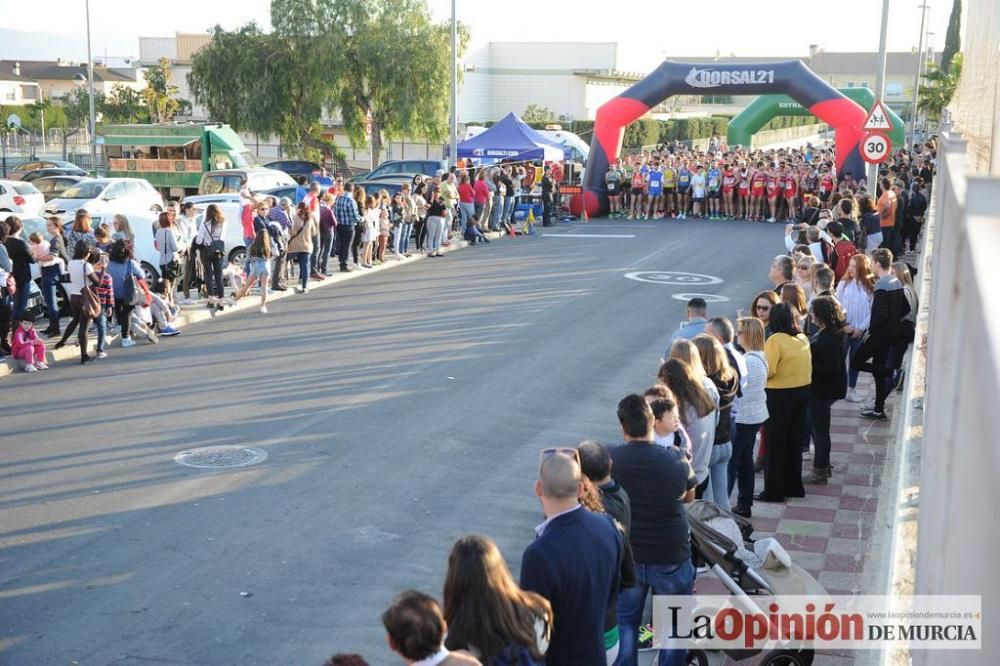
(569, 79)
(58, 78)
(16, 89)
(179, 51)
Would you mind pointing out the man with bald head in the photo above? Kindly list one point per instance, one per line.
(575, 562)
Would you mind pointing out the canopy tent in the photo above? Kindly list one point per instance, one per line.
(511, 139)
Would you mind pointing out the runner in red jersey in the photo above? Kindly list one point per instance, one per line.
(791, 193)
(773, 187)
(728, 186)
(826, 184)
(757, 183)
(743, 181)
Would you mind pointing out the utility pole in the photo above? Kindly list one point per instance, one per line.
(453, 152)
(879, 86)
(916, 79)
(90, 81)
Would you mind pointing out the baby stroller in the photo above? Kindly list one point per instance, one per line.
(748, 569)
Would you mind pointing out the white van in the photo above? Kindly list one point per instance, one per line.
(226, 181)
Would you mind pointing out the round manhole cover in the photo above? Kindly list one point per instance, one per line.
(216, 457)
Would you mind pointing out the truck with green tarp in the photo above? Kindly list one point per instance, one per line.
(172, 157)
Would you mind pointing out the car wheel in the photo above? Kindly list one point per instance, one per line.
(151, 274)
(238, 255)
(62, 299)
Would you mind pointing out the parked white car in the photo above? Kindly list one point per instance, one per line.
(232, 228)
(106, 195)
(20, 198)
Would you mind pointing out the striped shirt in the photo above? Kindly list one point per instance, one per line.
(857, 303)
(105, 290)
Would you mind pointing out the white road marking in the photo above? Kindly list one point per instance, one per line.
(674, 278)
(590, 235)
(709, 298)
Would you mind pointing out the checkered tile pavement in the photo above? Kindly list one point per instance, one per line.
(828, 531)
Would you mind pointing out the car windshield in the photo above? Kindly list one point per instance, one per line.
(90, 190)
(26, 188)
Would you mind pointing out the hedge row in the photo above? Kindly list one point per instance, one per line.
(647, 131)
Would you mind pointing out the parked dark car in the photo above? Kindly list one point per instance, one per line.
(396, 168)
(26, 167)
(52, 187)
(296, 168)
(278, 192)
(32, 176)
(391, 184)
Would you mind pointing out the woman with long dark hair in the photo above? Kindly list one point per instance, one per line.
(760, 307)
(487, 613)
(210, 239)
(788, 378)
(871, 224)
(828, 349)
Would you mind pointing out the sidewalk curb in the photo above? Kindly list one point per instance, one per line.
(198, 313)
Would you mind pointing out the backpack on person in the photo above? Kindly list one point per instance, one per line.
(841, 257)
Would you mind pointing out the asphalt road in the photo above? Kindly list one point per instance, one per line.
(399, 411)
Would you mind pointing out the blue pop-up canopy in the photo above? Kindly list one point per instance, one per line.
(511, 139)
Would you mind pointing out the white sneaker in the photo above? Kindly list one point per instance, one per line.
(868, 405)
(852, 396)
(28, 367)
(42, 366)
(128, 342)
(102, 354)
(263, 309)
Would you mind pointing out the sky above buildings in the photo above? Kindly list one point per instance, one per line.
(645, 31)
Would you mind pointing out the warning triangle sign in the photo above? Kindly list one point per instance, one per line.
(878, 119)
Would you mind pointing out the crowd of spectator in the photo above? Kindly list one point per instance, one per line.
(615, 525)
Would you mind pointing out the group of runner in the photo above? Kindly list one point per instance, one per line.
(725, 184)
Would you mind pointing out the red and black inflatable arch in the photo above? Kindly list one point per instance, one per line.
(790, 77)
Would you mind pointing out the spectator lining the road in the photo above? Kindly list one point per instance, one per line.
(26, 346)
(828, 351)
(698, 411)
(259, 265)
(752, 413)
(727, 385)
(210, 239)
(81, 276)
(415, 629)
(487, 613)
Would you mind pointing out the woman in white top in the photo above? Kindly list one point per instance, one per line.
(369, 232)
(752, 413)
(80, 273)
(855, 293)
(168, 243)
(210, 240)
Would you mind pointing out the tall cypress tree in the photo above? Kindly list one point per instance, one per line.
(952, 38)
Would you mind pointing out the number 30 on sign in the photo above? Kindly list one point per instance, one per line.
(875, 148)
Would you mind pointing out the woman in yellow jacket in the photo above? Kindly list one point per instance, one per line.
(789, 374)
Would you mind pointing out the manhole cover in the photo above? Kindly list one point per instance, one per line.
(212, 457)
(674, 277)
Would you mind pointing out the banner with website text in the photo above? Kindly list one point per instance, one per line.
(843, 622)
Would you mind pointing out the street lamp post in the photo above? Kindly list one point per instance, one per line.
(916, 79)
(879, 85)
(453, 152)
(90, 83)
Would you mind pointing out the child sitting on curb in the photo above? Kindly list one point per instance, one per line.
(26, 346)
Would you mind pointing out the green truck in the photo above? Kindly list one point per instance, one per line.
(172, 157)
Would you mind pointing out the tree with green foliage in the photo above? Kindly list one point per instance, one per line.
(939, 87)
(537, 114)
(160, 95)
(347, 58)
(125, 105)
(952, 38)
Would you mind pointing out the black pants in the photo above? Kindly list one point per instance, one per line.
(783, 461)
(343, 240)
(190, 270)
(278, 271)
(5, 312)
(819, 414)
(356, 244)
(212, 267)
(122, 313)
(871, 357)
(546, 213)
(314, 256)
(78, 319)
(420, 232)
(911, 232)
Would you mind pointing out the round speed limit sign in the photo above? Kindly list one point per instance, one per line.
(875, 148)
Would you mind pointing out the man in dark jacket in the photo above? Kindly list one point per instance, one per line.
(575, 562)
(659, 481)
(889, 307)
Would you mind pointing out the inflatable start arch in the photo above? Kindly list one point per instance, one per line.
(790, 77)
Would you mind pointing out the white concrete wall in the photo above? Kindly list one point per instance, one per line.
(151, 49)
(958, 541)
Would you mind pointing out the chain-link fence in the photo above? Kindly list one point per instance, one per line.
(976, 100)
